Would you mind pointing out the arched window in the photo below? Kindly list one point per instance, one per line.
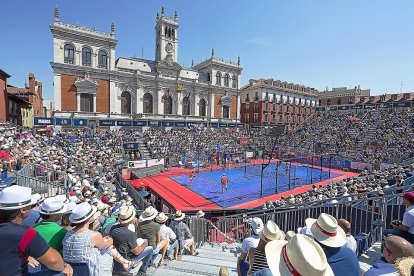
(126, 102)
(226, 79)
(234, 83)
(186, 106)
(168, 105)
(69, 56)
(208, 77)
(86, 56)
(226, 113)
(202, 108)
(86, 102)
(218, 78)
(102, 59)
(147, 103)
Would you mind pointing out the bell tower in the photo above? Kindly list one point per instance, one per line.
(166, 37)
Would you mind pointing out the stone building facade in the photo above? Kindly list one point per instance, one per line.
(266, 102)
(91, 81)
(343, 96)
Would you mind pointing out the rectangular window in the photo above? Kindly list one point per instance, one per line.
(10, 107)
(256, 117)
(247, 107)
(247, 118)
(256, 107)
(266, 118)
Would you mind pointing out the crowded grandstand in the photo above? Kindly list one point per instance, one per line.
(68, 195)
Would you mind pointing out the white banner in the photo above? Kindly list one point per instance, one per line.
(249, 154)
(154, 162)
(137, 164)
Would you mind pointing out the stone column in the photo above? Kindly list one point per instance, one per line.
(57, 91)
(196, 104)
(112, 96)
(78, 102)
(160, 107)
(94, 103)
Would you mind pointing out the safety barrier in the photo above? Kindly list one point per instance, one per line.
(139, 201)
(369, 216)
(41, 184)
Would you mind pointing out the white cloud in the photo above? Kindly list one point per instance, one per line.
(260, 41)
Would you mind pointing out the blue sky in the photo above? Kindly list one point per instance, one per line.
(315, 43)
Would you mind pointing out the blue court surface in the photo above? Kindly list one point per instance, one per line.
(244, 183)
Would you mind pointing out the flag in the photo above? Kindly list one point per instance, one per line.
(180, 88)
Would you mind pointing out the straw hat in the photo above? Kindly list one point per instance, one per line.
(179, 215)
(289, 235)
(300, 256)
(325, 230)
(149, 214)
(52, 206)
(82, 212)
(405, 266)
(271, 232)
(200, 214)
(126, 214)
(16, 197)
(161, 218)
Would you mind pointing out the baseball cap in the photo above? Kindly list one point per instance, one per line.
(409, 196)
(257, 225)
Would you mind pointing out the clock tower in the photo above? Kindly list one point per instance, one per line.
(166, 37)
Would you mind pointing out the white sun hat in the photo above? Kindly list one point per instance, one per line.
(126, 214)
(51, 206)
(300, 256)
(179, 215)
(82, 212)
(257, 225)
(148, 214)
(16, 197)
(271, 232)
(325, 230)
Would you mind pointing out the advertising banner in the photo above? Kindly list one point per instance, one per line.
(80, 122)
(167, 124)
(130, 146)
(139, 164)
(63, 122)
(214, 124)
(244, 141)
(249, 154)
(240, 125)
(107, 122)
(123, 123)
(231, 125)
(154, 162)
(222, 125)
(154, 123)
(180, 124)
(41, 121)
(141, 123)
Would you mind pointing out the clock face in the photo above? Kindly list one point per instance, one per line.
(169, 47)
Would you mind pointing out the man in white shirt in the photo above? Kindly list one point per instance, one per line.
(249, 242)
(404, 228)
(350, 240)
(394, 248)
(166, 233)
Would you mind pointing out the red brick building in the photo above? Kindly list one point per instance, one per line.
(269, 102)
(3, 95)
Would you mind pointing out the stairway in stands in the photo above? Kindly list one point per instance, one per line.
(143, 147)
(208, 262)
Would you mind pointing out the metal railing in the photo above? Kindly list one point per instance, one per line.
(45, 184)
(369, 216)
(139, 201)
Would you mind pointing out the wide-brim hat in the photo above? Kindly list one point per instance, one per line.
(16, 197)
(52, 206)
(404, 266)
(200, 214)
(326, 230)
(149, 214)
(300, 256)
(126, 214)
(82, 212)
(161, 218)
(179, 216)
(271, 232)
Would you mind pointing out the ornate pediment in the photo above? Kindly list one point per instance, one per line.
(225, 100)
(86, 85)
(168, 67)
